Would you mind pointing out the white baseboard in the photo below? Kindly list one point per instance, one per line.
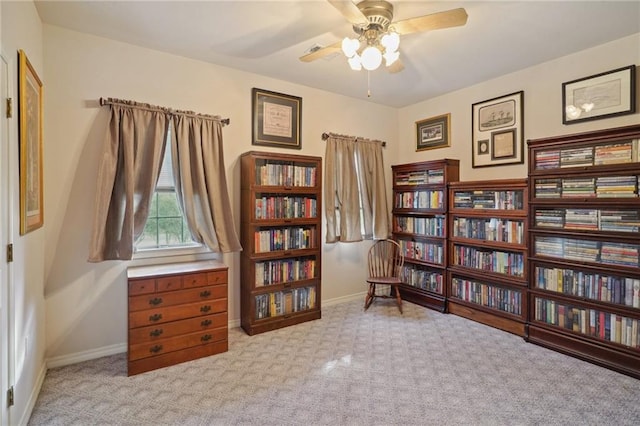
(62, 360)
(26, 415)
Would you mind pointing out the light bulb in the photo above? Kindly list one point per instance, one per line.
(391, 57)
(391, 41)
(350, 46)
(354, 63)
(371, 58)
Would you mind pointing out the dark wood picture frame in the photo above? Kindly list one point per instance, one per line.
(276, 119)
(605, 95)
(434, 132)
(497, 131)
(31, 154)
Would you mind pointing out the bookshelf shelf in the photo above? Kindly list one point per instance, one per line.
(584, 249)
(420, 205)
(487, 271)
(280, 231)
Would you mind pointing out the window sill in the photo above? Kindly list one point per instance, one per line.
(170, 252)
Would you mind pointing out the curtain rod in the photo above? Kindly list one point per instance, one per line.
(112, 101)
(325, 136)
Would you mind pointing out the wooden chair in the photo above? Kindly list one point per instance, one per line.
(385, 261)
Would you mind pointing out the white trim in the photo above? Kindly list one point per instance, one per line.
(63, 360)
(28, 409)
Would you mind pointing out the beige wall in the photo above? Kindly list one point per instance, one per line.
(21, 29)
(542, 106)
(86, 303)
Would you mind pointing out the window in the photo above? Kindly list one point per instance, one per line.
(166, 226)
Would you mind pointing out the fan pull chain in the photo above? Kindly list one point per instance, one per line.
(368, 84)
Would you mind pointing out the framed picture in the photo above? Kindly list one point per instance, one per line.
(603, 95)
(30, 129)
(433, 132)
(276, 119)
(497, 131)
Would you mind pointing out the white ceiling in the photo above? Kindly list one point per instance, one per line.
(267, 37)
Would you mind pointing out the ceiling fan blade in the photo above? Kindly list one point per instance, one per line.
(434, 21)
(350, 11)
(321, 52)
(395, 67)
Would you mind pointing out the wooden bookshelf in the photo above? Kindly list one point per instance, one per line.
(487, 273)
(420, 226)
(280, 232)
(585, 246)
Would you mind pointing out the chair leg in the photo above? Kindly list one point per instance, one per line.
(370, 295)
(398, 298)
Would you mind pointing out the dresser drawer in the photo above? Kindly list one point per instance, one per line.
(169, 283)
(158, 300)
(178, 312)
(176, 328)
(142, 287)
(195, 280)
(217, 277)
(162, 346)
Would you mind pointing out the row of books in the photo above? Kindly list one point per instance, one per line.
(489, 199)
(285, 207)
(489, 260)
(595, 286)
(489, 229)
(589, 219)
(598, 324)
(588, 250)
(285, 270)
(605, 187)
(428, 252)
(431, 226)
(281, 174)
(421, 278)
(284, 239)
(285, 302)
(421, 177)
(419, 200)
(502, 299)
(614, 153)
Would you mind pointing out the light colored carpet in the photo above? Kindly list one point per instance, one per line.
(351, 368)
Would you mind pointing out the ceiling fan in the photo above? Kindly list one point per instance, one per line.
(378, 35)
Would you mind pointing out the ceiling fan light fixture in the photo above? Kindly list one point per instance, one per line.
(390, 41)
(371, 58)
(391, 57)
(355, 63)
(350, 46)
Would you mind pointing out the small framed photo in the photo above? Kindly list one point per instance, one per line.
(503, 144)
(434, 132)
(276, 119)
(497, 131)
(603, 95)
(30, 130)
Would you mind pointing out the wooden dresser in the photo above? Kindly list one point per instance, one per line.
(177, 313)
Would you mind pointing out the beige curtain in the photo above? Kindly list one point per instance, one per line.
(201, 183)
(127, 175)
(342, 204)
(373, 194)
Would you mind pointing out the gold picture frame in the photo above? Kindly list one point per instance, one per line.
(30, 130)
(434, 132)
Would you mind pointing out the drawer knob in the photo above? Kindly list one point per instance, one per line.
(155, 333)
(206, 323)
(205, 293)
(155, 349)
(205, 308)
(155, 317)
(155, 301)
(205, 338)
